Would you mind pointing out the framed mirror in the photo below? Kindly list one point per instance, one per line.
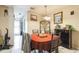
(44, 26)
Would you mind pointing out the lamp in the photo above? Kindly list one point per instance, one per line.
(46, 17)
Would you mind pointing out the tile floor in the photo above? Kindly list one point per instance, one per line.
(61, 50)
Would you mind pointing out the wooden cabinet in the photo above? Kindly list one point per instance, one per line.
(66, 37)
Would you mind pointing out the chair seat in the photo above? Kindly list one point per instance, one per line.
(54, 45)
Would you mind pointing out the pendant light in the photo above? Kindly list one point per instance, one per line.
(46, 17)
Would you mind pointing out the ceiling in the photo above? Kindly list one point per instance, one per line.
(40, 9)
(37, 8)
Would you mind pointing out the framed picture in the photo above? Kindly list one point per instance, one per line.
(58, 18)
(33, 17)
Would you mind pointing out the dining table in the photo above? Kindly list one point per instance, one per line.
(42, 42)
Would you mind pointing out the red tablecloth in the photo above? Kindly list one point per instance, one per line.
(42, 42)
(41, 38)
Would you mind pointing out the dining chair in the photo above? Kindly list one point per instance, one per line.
(35, 31)
(54, 45)
(26, 45)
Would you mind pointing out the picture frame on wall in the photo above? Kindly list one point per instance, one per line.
(33, 17)
(58, 18)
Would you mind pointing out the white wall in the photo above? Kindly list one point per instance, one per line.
(11, 25)
(3, 20)
(6, 22)
(33, 24)
(67, 18)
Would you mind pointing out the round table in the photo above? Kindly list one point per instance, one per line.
(42, 42)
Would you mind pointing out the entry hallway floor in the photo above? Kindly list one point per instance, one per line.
(61, 50)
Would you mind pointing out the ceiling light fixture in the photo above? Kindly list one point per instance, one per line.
(46, 17)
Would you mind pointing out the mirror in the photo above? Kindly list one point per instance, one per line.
(44, 26)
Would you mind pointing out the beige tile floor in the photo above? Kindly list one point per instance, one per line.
(65, 50)
(61, 50)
